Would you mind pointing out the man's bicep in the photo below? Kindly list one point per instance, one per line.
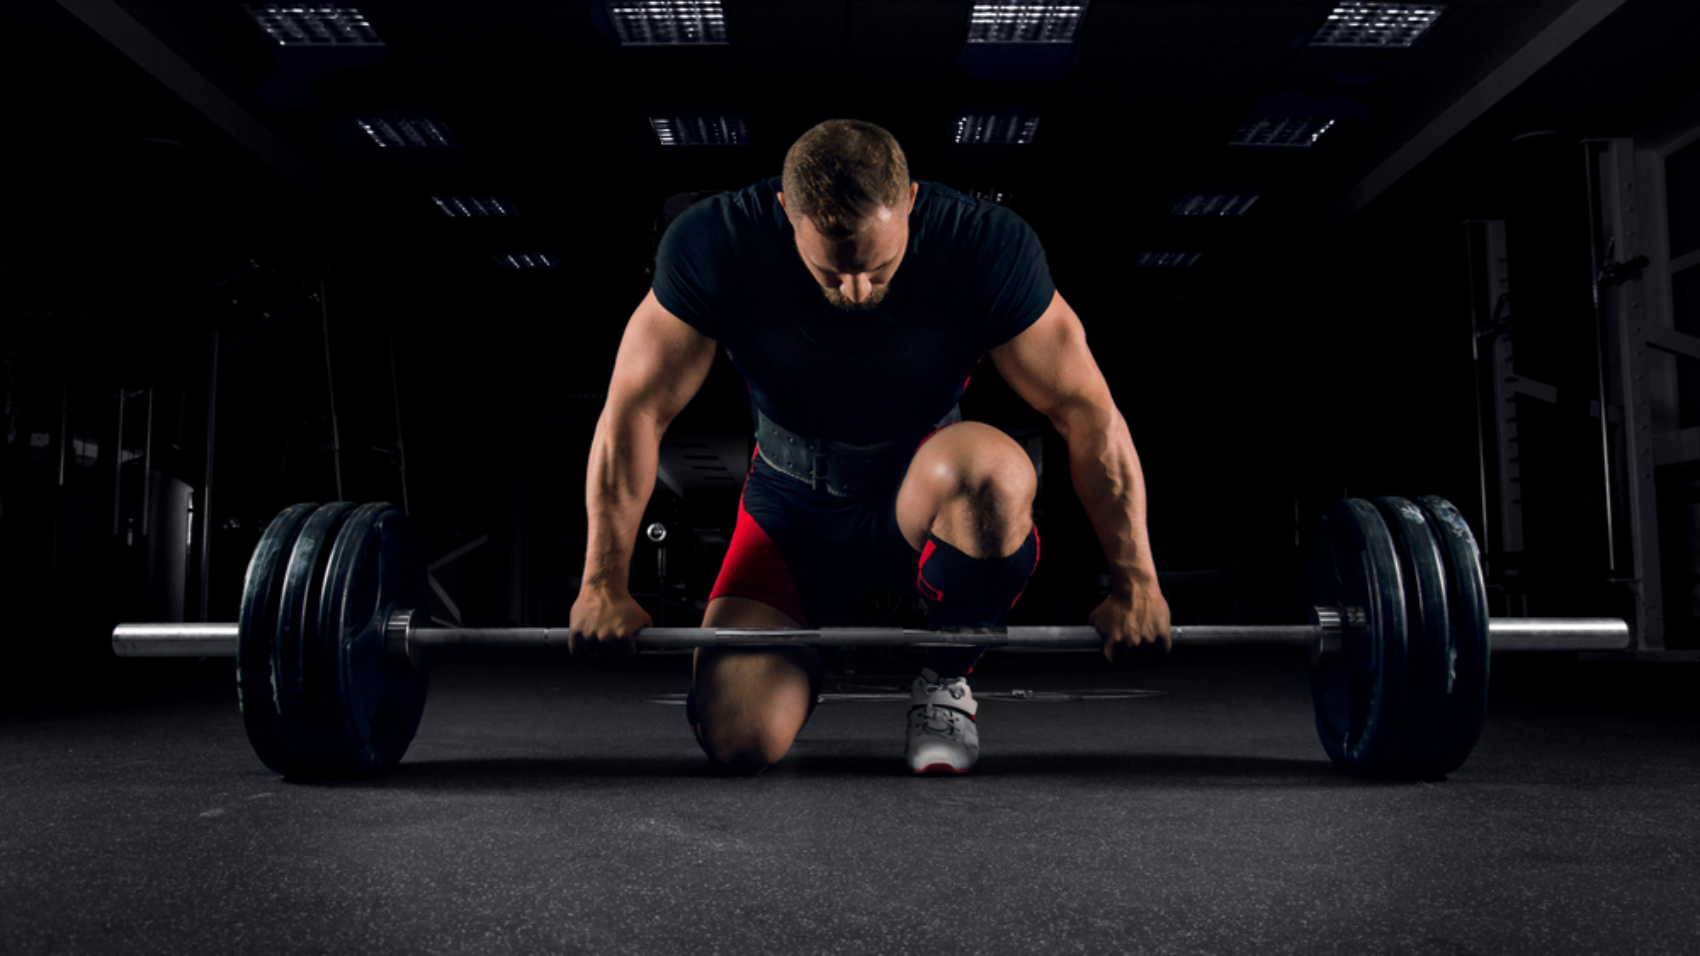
(661, 364)
(1051, 368)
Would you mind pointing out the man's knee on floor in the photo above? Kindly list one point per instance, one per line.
(744, 749)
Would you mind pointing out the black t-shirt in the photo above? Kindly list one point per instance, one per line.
(974, 277)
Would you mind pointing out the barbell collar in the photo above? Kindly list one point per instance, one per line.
(1330, 633)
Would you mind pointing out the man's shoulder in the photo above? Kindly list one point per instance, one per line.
(758, 200)
(957, 216)
(727, 211)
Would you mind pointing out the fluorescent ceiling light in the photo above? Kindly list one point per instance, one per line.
(1166, 260)
(1025, 21)
(527, 260)
(1355, 23)
(1290, 132)
(999, 196)
(1213, 204)
(668, 22)
(405, 132)
(474, 207)
(313, 24)
(1015, 128)
(700, 130)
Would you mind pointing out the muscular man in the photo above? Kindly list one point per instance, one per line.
(856, 303)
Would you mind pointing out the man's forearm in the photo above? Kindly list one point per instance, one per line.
(617, 486)
(1107, 477)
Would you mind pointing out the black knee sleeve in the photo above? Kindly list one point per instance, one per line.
(961, 591)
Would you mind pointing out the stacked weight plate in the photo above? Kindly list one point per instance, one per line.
(1405, 696)
(321, 698)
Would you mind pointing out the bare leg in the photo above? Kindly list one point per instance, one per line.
(751, 702)
(973, 487)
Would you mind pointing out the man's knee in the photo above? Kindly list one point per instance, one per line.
(748, 706)
(745, 750)
(987, 486)
(988, 469)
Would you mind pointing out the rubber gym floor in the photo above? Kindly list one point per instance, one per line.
(549, 806)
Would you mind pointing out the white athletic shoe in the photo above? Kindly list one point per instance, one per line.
(943, 734)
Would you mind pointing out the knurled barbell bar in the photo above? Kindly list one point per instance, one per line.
(404, 636)
(332, 671)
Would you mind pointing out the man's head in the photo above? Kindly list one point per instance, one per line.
(847, 192)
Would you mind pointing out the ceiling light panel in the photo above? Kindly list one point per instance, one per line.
(668, 22)
(474, 207)
(700, 130)
(1166, 260)
(1005, 128)
(1359, 24)
(999, 196)
(1025, 21)
(522, 261)
(407, 133)
(313, 24)
(1213, 204)
(1290, 132)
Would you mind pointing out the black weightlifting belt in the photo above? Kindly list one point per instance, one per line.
(838, 468)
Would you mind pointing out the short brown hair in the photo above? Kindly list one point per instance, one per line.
(838, 173)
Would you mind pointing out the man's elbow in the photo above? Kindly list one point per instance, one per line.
(1082, 415)
(627, 419)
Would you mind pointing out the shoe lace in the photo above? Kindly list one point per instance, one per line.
(957, 687)
(939, 721)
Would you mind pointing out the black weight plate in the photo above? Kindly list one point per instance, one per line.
(1429, 661)
(1466, 705)
(373, 699)
(295, 656)
(1359, 694)
(256, 636)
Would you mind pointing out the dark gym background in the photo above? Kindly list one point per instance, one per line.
(185, 193)
(1316, 349)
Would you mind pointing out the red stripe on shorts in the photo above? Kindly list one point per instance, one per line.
(1036, 552)
(922, 585)
(754, 569)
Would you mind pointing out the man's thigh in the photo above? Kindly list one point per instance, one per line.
(754, 684)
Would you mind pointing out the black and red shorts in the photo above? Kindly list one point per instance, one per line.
(812, 554)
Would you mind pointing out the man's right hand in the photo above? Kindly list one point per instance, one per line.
(604, 625)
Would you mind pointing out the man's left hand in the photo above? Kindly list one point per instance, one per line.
(1131, 618)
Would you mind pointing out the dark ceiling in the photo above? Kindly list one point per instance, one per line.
(550, 111)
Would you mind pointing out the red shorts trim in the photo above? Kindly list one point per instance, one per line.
(754, 569)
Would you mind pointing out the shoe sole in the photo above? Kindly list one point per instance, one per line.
(938, 768)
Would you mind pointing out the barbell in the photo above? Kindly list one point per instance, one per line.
(332, 659)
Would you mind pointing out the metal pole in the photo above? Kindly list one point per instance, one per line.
(64, 450)
(400, 449)
(147, 465)
(1595, 263)
(118, 469)
(1558, 634)
(1476, 369)
(667, 638)
(661, 585)
(1506, 634)
(204, 504)
(330, 386)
